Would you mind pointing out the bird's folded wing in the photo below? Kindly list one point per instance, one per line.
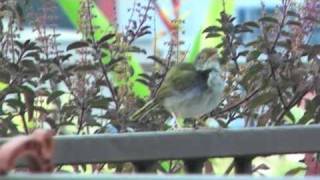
(179, 79)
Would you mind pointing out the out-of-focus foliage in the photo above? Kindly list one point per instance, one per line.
(281, 66)
(74, 91)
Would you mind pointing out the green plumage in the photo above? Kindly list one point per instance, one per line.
(188, 90)
(174, 82)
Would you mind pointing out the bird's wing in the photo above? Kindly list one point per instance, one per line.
(187, 78)
(139, 114)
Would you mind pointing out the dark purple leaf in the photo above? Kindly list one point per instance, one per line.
(78, 44)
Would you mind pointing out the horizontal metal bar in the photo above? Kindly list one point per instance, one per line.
(187, 144)
(142, 177)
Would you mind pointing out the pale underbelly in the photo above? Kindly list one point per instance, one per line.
(192, 103)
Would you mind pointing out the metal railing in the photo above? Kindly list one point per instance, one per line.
(194, 147)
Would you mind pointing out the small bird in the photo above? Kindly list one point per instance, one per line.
(189, 90)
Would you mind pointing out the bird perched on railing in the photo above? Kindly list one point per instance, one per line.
(189, 90)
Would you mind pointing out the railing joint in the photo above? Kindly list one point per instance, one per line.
(145, 166)
(243, 164)
(194, 165)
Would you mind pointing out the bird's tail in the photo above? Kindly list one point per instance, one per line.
(140, 113)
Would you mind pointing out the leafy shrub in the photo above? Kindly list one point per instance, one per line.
(88, 88)
(90, 83)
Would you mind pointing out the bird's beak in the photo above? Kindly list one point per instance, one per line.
(213, 54)
(213, 51)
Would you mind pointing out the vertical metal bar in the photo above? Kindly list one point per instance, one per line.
(243, 165)
(145, 166)
(194, 165)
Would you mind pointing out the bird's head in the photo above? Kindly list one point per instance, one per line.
(207, 59)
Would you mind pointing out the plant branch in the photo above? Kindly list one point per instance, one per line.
(144, 18)
(98, 56)
(81, 120)
(109, 84)
(233, 53)
(292, 103)
(271, 50)
(273, 75)
(237, 104)
(284, 15)
(24, 121)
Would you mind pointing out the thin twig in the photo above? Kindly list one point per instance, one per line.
(144, 18)
(230, 167)
(235, 105)
(271, 50)
(273, 74)
(282, 23)
(81, 119)
(292, 103)
(98, 56)
(24, 121)
(109, 84)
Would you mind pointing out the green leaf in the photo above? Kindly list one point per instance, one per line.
(243, 29)
(105, 38)
(213, 35)
(222, 123)
(34, 55)
(68, 109)
(143, 81)
(295, 171)
(165, 165)
(65, 57)
(29, 64)
(145, 76)
(140, 34)
(294, 23)
(15, 103)
(286, 33)
(243, 53)
(114, 61)
(293, 13)
(13, 68)
(253, 55)
(5, 76)
(253, 43)
(145, 28)
(269, 19)
(19, 44)
(48, 76)
(285, 44)
(32, 46)
(211, 29)
(92, 122)
(100, 102)
(76, 45)
(157, 60)
(26, 89)
(291, 117)
(85, 68)
(41, 109)
(252, 71)
(136, 49)
(261, 99)
(307, 116)
(251, 24)
(2, 87)
(54, 95)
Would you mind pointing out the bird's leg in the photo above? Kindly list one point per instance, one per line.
(199, 121)
(174, 120)
(192, 122)
(195, 124)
